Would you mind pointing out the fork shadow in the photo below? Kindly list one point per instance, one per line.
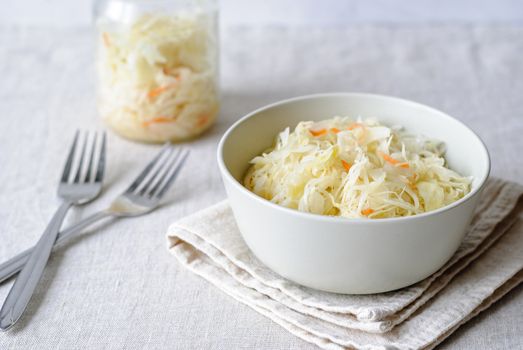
(49, 275)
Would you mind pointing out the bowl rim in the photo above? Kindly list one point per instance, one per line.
(228, 176)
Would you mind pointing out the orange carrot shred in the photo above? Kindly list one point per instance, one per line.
(157, 91)
(412, 181)
(202, 120)
(345, 165)
(107, 41)
(362, 136)
(367, 211)
(335, 130)
(404, 165)
(354, 126)
(318, 132)
(157, 120)
(388, 158)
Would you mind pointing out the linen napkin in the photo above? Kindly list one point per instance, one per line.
(487, 265)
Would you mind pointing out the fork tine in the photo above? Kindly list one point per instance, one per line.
(161, 176)
(91, 159)
(101, 160)
(162, 167)
(147, 169)
(81, 161)
(174, 174)
(70, 158)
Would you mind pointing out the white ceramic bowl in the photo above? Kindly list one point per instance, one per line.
(355, 256)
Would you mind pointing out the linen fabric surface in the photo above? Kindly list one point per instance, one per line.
(116, 286)
(482, 270)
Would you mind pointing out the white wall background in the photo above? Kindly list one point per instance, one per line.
(62, 13)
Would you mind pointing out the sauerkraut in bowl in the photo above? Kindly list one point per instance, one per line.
(354, 169)
(363, 253)
(157, 75)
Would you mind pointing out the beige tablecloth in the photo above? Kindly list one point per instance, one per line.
(117, 287)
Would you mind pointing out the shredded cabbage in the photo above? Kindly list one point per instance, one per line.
(355, 169)
(157, 76)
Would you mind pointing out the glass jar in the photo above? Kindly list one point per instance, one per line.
(157, 67)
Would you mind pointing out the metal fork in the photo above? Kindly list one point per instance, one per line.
(141, 197)
(75, 187)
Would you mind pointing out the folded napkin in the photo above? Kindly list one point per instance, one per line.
(486, 266)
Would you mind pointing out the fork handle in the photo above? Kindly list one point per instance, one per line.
(15, 264)
(27, 280)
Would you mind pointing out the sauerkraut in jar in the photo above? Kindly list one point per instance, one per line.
(157, 68)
